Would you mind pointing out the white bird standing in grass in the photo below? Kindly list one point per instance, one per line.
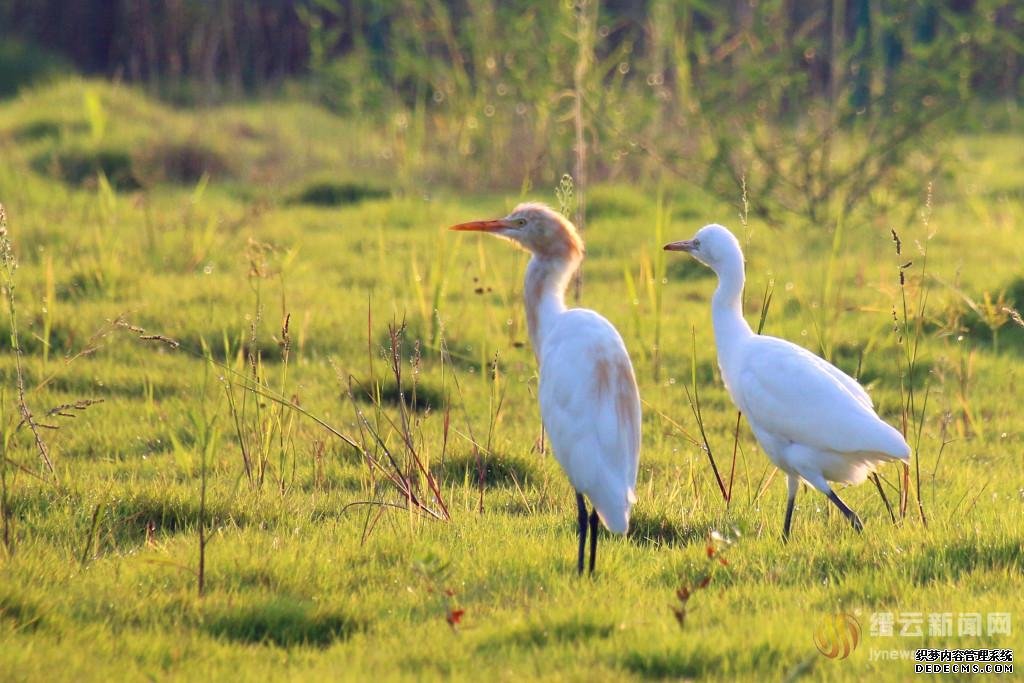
(588, 396)
(814, 421)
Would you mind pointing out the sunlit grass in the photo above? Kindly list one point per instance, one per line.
(99, 577)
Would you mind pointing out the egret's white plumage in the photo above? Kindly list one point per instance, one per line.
(591, 411)
(815, 422)
(589, 401)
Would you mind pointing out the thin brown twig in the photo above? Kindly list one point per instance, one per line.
(694, 400)
(881, 492)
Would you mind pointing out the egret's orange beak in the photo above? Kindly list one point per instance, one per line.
(482, 226)
(684, 245)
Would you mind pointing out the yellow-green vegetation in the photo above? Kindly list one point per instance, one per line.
(193, 288)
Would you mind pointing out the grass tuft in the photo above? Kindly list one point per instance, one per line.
(282, 622)
(335, 193)
(82, 165)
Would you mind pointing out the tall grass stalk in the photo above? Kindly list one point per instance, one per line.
(207, 435)
(404, 476)
(388, 467)
(824, 326)
(9, 264)
(6, 514)
(694, 399)
(658, 280)
(49, 304)
(92, 535)
(497, 400)
(910, 331)
(478, 450)
(586, 24)
(634, 298)
(440, 280)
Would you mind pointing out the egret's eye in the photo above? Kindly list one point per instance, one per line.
(520, 222)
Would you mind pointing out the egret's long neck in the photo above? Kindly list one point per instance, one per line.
(727, 307)
(546, 280)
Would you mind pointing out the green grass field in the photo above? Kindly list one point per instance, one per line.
(314, 566)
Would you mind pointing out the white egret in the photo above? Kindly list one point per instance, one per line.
(815, 422)
(589, 401)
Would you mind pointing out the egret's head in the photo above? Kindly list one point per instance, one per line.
(537, 228)
(713, 245)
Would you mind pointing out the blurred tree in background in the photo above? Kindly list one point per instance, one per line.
(813, 107)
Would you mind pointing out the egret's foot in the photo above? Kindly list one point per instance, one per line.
(847, 512)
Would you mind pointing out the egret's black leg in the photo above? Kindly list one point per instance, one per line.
(593, 539)
(581, 507)
(789, 518)
(794, 484)
(844, 508)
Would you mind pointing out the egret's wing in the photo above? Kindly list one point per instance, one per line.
(591, 410)
(800, 397)
(851, 385)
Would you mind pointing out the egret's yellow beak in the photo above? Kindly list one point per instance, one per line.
(483, 226)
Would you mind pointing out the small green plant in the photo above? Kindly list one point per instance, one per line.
(715, 560)
(207, 435)
(993, 312)
(436, 576)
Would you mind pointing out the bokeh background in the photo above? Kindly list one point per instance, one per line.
(488, 95)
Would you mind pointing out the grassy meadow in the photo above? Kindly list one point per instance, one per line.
(204, 295)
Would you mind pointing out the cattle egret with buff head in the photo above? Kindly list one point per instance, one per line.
(588, 396)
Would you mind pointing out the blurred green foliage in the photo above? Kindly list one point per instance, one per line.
(22, 63)
(812, 110)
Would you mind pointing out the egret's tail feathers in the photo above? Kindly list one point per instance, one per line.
(851, 468)
(904, 453)
(617, 523)
(893, 446)
(614, 510)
